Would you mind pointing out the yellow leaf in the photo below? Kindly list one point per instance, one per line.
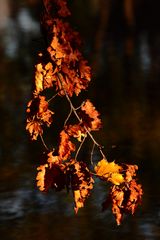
(105, 168)
(116, 178)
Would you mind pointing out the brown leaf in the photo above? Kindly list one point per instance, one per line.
(65, 146)
(38, 114)
(125, 197)
(44, 77)
(81, 183)
(135, 196)
(51, 177)
(76, 131)
(91, 118)
(130, 171)
(34, 128)
(74, 70)
(117, 196)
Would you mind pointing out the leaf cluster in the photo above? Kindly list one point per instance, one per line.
(66, 72)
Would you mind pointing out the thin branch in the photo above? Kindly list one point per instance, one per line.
(52, 97)
(44, 144)
(92, 151)
(80, 106)
(79, 119)
(68, 116)
(80, 146)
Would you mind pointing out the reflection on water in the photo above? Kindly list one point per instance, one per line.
(125, 89)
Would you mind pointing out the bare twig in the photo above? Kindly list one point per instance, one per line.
(68, 117)
(80, 146)
(92, 151)
(43, 142)
(52, 97)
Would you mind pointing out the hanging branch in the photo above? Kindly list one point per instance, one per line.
(67, 73)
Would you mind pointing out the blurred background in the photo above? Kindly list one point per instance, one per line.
(122, 43)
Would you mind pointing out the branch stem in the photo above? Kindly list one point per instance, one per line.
(43, 142)
(79, 119)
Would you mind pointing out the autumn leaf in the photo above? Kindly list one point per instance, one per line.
(34, 128)
(109, 171)
(90, 116)
(85, 70)
(117, 196)
(135, 196)
(71, 66)
(116, 178)
(38, 114)
(130, 171)
(44, 77)
(76, 131)
(51, 177)
(126, 197)
(81, 183)
(41, 176)
(65, 146)
(52, 159)
(39, 78)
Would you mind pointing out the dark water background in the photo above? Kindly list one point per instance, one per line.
(125, 56)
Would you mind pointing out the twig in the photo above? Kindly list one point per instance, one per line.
(79, 119)
(44, 144)
(68, 117)
(92, 151)
(80, 146)
(52, 97)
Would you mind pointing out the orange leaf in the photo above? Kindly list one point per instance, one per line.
(92, 121)
(51, 177)
(41, 177)
(76, 131)
(65, 146)
(81, 183)
(37, 115)
(34, 128)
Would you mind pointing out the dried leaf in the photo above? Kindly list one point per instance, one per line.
(76, 131)
(73, 69)
(130, 171)
(91, 118)
(41, 177)
(126, 197)
(34, 128)
(44, 77)
(117, 196)
(65, 146)
(51, 177)
(37, 115)
(135, 196)
(52, 159)
(81, 183)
